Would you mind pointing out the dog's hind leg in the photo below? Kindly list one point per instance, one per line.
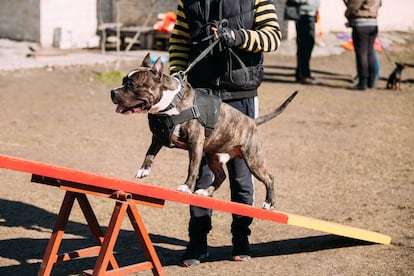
(215, 163)
(254, 158)
(267, 179)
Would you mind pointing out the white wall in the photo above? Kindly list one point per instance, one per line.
(76, 20)
(393, 15)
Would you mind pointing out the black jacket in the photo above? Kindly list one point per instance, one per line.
(222, 70)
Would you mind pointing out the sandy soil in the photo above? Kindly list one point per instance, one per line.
(337, 155)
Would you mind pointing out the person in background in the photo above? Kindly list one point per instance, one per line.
(305, 39)
(250, 27)
(362, 18)
(355, 79)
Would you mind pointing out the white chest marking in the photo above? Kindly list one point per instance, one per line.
(168, 96)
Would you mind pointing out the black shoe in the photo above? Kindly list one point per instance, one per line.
(241, 248)
(359, 87)
(188, 262)
(355, 80)
(308, 81)
(240, 258)
(373, 83)
(362, 84)
(196, 251)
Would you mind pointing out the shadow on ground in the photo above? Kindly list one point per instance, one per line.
(28, 252)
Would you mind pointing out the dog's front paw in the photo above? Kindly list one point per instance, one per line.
(203, 192)
(142, 173)
(184, 188)
(267, 206)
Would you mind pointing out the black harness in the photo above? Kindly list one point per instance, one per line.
(206, 109)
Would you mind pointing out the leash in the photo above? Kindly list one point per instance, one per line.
(385, 51)
(182, 74)
(207, 49)
(200, 57)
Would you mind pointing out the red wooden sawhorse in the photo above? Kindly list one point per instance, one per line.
(125, 204)
(77, 188)
(128, 193)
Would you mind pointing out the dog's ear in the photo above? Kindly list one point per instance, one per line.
(147, 61)
(158, 68)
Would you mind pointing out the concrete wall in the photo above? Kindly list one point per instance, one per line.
(20, 20)
(134, 12)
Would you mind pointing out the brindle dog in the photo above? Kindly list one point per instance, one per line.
(148, 90)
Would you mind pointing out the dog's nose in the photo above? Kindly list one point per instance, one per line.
(113, 93)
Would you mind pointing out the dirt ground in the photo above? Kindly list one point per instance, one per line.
(337, 155)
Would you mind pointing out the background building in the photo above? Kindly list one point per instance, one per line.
(75, 23)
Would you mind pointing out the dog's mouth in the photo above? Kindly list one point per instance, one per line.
(140, 107)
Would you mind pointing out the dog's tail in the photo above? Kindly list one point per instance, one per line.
(263, 119)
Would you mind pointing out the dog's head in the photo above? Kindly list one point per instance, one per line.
(400, 66)
(141, 88)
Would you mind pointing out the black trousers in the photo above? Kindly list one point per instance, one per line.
(305, 41)
(363, 38)
(241, 186)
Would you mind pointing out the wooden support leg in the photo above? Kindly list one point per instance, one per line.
(51, 255)
(94, 225)
(101, 265)
(144, 240)
(52, 248)
(111, 236)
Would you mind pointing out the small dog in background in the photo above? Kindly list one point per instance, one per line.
(394, 80)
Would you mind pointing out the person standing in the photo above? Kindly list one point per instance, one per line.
(362, 18)
(233, 70)
(305, 39)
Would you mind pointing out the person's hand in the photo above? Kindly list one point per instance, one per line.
(226, 36)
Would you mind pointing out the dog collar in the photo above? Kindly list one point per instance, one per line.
(177, 98)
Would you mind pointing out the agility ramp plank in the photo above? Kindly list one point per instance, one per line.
(47, 170)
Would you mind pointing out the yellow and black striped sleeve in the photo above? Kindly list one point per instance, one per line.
(266, 35)
(179, 44)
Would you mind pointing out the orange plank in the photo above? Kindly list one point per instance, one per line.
(136, 188)
(48, 170)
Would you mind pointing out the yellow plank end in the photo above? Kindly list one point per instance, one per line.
(338, 229)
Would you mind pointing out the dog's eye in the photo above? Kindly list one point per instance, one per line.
(129, 84)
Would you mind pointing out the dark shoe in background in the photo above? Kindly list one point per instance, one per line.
(359, 87)
(308, 81)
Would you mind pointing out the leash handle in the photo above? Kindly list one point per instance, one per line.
(242, 65)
